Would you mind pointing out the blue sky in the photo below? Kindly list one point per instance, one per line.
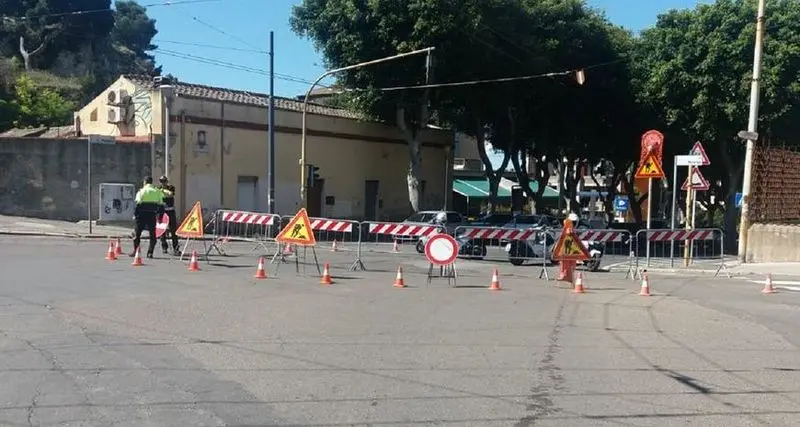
(245, 25)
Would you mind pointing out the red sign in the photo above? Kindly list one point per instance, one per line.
(698, 181)
(162, 226)
(698, 150)
(652, 142)
(441, 249)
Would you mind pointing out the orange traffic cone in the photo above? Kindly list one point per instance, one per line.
(333, 246)
(287, 250)
(111, 255)
(326, 276)
(260, 273)
(398, 280)
(193, 265)
(137, 259)
(578, 289)
(495, 286)
(118, 247)
(645, 292)
(395, 247)
(768, 289)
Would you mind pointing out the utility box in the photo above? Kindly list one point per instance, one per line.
(117, 202)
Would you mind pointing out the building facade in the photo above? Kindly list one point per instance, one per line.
(218, 150)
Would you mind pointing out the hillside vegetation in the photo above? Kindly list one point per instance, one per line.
(57, 54)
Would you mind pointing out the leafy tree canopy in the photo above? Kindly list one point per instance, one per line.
(69, 56)
(694, 68)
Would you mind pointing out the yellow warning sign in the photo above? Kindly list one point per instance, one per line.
(192, 225)
(650, 168)
(298, 231)
(570, 248)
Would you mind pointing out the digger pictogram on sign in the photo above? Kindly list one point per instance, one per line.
(298, 231)
(192, 225)
(570, 248)
(650, 168)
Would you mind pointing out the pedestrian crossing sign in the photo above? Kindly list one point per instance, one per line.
(298, 231)
(192, 225)
(570, 248)
(650, 168)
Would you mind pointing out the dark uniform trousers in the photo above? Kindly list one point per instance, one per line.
(146, 220)
(173, 226)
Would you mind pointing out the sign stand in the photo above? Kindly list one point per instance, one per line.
(192, 228)
(650, 167)
(297, 232)
(543, 272)
(442, 250)
(358, 265)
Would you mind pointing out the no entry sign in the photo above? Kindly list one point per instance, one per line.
(441, 249)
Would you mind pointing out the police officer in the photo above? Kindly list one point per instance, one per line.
(169, 209)
(149, 203)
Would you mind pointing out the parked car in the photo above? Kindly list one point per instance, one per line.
(452, 221)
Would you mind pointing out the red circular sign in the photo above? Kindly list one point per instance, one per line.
(651, 140)
(441, 249)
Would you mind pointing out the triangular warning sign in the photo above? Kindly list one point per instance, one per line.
(650, 168)
(699, 182)
(192, 225)
(698, 150)
(570, 248)
(298, 231)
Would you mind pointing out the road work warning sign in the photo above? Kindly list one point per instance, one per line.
(298, 231)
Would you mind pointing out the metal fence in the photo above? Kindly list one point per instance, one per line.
(237, 232)
(776, 178)
(229, 227)
(680, 248)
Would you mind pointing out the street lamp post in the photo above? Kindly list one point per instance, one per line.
(166, 97)
(751, 135)
(302, 161)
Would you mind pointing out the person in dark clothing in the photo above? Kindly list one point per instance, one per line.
(169, 209)
(149, 203)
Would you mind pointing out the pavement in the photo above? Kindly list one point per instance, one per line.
(90, 342)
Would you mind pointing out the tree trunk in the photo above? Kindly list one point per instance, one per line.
(26, 56)
(411, 132)
(494, 176)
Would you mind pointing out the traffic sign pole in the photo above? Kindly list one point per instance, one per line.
(672, 214)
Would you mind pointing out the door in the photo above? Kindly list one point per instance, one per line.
(247, 193)
(314, 204)
(370, 200)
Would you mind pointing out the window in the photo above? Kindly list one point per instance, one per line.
(93, 115)
(453, 218)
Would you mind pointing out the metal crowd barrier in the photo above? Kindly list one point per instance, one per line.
(241, 226)
(667, 247)
(512, 245)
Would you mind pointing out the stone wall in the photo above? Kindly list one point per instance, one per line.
(46, 178)
(773, 243)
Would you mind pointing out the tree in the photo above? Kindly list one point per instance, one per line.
(132, 38)
(347, 32)
(694, 69)
(37, 106)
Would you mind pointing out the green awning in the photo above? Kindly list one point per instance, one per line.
(477, 188)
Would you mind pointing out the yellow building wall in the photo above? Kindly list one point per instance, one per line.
(139, 118)
(210, 172)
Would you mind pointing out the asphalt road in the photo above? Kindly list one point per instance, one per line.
(88, 342)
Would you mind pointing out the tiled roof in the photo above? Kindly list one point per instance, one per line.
(244, 97)
(40, 132)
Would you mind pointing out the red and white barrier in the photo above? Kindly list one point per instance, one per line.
(497, 233)
(603, 236)
(241, 217)
(323, 224)
(400, 229)
(677, 235)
